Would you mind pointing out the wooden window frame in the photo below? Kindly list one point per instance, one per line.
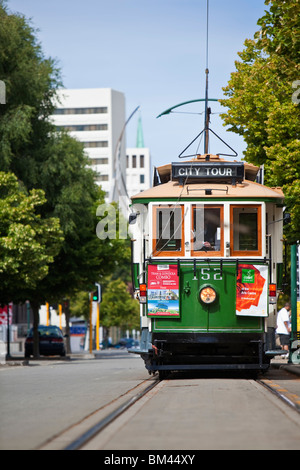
(165, 253)
(247, 253)
(209, 254)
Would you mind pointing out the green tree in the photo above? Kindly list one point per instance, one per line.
(73, 197)
(31, 81)
(260, 102)
(118, 308)
(43, 158)
(80, 305)
(28, 242)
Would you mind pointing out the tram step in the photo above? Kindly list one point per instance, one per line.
(276, 352)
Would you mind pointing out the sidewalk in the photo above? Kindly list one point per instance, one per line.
(19, 360)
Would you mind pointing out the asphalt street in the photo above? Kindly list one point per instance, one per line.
(40, 399)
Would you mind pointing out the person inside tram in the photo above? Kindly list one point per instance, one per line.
(207, 246)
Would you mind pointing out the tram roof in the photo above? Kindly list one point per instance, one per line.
(248, 188)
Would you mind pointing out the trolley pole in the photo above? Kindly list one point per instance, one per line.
(206, 117)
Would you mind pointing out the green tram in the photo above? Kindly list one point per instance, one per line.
(207, 266)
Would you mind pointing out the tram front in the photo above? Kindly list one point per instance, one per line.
(204, 256)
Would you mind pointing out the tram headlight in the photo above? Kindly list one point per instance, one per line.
(207, 295)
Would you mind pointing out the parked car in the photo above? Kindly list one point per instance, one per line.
(51, 341)
(127, 343)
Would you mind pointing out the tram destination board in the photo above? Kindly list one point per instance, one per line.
(229, 171)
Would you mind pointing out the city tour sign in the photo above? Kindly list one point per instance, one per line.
(229, 171)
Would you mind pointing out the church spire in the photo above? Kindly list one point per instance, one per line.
(140, 137)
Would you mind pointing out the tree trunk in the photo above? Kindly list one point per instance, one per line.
(36, 320)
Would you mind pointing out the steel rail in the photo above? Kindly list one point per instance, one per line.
(284, 396)
(98, 427)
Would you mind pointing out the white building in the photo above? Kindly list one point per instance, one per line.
(138, 165)
(96, 117)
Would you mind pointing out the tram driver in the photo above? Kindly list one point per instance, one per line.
(207, 247)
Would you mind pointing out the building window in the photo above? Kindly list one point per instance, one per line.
(85, 127)
(133, 161)
(101, 143)
(127, 161)
(98, 161)
(101, 110)
(142, 179)
(142, 161)
(168, 231)
(102, 178)
(245, 230)
(207, 230)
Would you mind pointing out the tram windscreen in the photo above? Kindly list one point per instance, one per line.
(245, 229)
(206, 229)
(168, 229)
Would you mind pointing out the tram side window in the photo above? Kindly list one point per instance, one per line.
(246, 230)
(168, 231)
(207, 230)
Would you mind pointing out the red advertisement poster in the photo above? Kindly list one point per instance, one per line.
(252, 290)
(163, 291)
(4, 316)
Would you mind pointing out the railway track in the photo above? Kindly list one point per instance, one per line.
(291, 399)
(81, 435)
(76, 436)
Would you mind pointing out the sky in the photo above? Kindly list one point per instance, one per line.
(154, 51)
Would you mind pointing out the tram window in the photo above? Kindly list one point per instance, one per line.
(245, 230)
(168, 231)
(207, 230)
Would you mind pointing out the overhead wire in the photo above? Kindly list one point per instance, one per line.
(186, 179)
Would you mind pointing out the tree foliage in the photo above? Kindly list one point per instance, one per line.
(118, 308)
(28, 242)
(53, 169)
(262, 101)
(31, 81)
(43, 158)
